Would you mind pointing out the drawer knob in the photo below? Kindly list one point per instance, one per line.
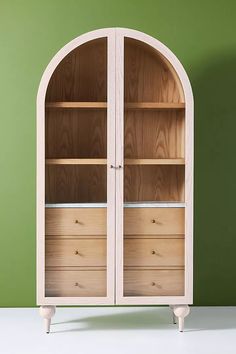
(153, 252)
(76, 284)
(155, 221)
(76, 252)
(156, 284)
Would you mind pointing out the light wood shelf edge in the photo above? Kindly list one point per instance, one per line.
(76, 161)
(154, 105)
(128, 105)
(91, 161)
(76, 105)
(126, 205)
(179, 161)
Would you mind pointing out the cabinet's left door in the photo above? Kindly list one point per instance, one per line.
(76, 235)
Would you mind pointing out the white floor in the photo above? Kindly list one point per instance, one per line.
(109, 330)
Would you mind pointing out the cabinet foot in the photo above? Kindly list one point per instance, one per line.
(180, 311)
(47, 312)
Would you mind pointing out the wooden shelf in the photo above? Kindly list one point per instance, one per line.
(154, 105)
(128, 105)
(102, 105)
(104, 161)
(126, 205)
(154, 161)
(76, 161)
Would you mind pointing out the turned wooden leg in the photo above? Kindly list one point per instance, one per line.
(173, 315)
(181, 311)
(47, 312)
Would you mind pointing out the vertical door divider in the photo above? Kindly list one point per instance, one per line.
(119, 161)
(111, 162)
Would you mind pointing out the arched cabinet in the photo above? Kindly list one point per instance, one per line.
(114, 175)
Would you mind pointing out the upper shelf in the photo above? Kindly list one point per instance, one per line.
(154, 161)
(76, 105)
(76, 161)
(128, 105)
(92, 161)
(154, 105)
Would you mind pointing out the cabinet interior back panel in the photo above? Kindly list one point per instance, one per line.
(76, 184)
(148, 76)
(154, 134)
(81, 75)
(154, 183)
(74, 133)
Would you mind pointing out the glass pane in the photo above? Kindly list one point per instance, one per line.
(154, 175)
(76, 174)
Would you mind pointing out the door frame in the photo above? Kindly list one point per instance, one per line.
(109, 33)
(175, 64)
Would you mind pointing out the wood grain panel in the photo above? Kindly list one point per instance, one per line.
(76, 183)
(68, 253)
(147, 76)
(75, 283)
(81, 75)
(151, 252)
(76, 134)
(153, 221)
(154, 282)
(154, 134)
(75, 221)
(154, 183)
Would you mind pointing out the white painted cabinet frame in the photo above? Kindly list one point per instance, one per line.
(115, 178)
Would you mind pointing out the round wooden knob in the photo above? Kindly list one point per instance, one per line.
(76, 252)
(77, 221)
(153, 252)
(153, 283)
(76, 284)
(153, 221)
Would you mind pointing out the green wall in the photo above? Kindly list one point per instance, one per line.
(203, 36)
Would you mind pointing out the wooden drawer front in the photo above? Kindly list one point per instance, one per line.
(154, 252)
(153, 282)
(153, 221)
(89, 252)
(75, 283)
(76, 221)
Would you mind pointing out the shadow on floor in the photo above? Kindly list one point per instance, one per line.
(138, 319)
(200, 319)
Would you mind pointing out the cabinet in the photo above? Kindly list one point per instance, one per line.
(114, 175)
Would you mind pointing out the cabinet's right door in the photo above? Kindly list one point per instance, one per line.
(150, 200)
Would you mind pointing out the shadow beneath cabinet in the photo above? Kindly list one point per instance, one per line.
(200, 319)
(142, 319)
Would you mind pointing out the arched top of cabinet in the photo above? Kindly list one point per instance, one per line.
(89, 44)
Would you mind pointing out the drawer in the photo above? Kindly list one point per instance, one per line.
(72, 252)
(153, 252)
(166, 282)
(76, 283)
(153, 221)
(76, 221)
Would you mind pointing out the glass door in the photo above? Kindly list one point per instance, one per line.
(79, 183)
(153, 179)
